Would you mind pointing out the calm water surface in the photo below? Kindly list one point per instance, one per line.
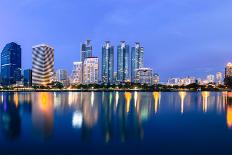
(116, 122)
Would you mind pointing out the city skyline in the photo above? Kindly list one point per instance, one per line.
(179, 33)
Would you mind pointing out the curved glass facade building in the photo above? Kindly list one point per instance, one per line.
(123, 53)
(42, 64)
(136, 59)
(11, 64)
(107, 63)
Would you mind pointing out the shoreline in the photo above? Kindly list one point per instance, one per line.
(111, 90)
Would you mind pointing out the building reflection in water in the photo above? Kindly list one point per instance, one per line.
(205, 96)
(128, 99)
(90, 111)
(42, 113)
(156, 96)
(12, 106)
(182, 97)
(10, 117)
(229, 110)
(118, 115)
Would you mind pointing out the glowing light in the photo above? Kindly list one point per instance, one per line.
(205, 96)
(128, 99)
(182, 97)
(77, 119)
(44, 101)
(135, 97)
(156, 96)
(16, 99)
(92, 98)
(116, 98)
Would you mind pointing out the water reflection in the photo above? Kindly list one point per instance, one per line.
(42, 113)
(117, 116)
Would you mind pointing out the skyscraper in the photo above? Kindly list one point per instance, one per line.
(137, 53)
(86, 50)
(11, 64)
(76, 73)
(123, 53)
(42, 64)
(91, 70)
(228, 70)
(107, 63)
(27, 77)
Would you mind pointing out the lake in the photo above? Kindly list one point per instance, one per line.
(116, 122)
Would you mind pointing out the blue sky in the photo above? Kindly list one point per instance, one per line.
(180, 37)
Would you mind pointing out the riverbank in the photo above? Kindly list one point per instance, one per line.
(109, 90)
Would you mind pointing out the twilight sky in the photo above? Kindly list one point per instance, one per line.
(180, 37)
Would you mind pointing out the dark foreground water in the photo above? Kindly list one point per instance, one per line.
(116, 122)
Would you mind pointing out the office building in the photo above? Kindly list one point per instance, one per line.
(107, 63)
(137, 53)
(86, 50)
(91, 70)
(228, 70)
(42, 64)
(27, 77)
(76, 76)
(219, 78)
(144, 76)
(11, 64)
(62, 76)
(123, 53)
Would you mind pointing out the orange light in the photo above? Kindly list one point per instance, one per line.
(156, 96)
(229, 117)
(205, 96)
(128, 99)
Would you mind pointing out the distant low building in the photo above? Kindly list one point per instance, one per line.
(27, 77)
(62, 76)
(210, 78)
(144, 76)
(156, 78)
(181, 81)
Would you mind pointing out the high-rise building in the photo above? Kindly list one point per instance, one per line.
(42, 64)
(228, 70)
(137, 53)
(219, 78)
(62, 76)
(107, 63)
(86, 50)
(91, 70)
(144, 76)
(76, 77)
(27, 77)
(11, 64)
(210, 78)
(123, 53)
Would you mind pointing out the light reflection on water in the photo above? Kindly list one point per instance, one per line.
(113, 116)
